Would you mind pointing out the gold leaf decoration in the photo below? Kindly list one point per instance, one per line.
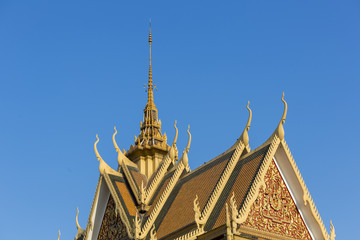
(274, 209)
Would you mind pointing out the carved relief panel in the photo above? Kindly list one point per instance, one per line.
(111, 227)
(274, 210)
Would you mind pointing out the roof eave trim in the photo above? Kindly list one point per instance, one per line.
(258, 183)
(288, 168)
(119, 207)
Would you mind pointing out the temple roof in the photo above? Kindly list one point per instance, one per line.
(170, 201)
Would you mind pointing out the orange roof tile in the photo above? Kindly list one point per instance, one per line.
(200, 182)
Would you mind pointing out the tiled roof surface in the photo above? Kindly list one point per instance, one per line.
(124, 195)
(138, 177)
(177, 214)
(178, 210)
(159, 192)
(240, 182)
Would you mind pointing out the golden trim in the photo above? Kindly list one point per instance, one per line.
(263, 234)
(89, 225)
(153, 233)
(258, 182)
(59, 235)
(191, 235)
(184, 158)
(80, 231)
(306, 197)
(103, 167)
(168, 159)
(199, 221)
(332, 231)
(244, 136)
(119, 208)
(222, 181)
(160, 203)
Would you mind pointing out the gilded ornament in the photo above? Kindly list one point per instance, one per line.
(274, 210)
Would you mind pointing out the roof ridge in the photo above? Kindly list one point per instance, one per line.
(219, 186)
(242, 213)
(307, 197)
(118, 204)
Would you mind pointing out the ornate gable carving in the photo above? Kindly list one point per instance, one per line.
(111, 227)
(274, 210)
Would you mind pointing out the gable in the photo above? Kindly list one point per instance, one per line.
(274, 211)
(112, 226)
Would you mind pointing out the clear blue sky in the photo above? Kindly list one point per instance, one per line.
(71, 69)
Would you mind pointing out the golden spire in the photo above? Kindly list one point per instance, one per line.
(150, 102)
(150, 144)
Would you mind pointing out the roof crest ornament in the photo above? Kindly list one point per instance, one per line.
(244, 136)
(184, 158)
(121, 156)
(280, 129)
(173, 150)
(103, 167)
(59, 235)
(80, 231)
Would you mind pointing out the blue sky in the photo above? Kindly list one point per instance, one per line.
(72, 69)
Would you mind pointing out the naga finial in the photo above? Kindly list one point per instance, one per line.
(80, 231)
(95, 148)
(102, 166)
(184, 157)
(115, 144)
(244, 135)
(280, 129)
(332, 231)
(189, 141)
(76, 219)
(59, 235)
(173, 149)
(176, 134)
(285, 109)
(120, 154)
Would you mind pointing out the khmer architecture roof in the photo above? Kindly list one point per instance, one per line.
(240, 194)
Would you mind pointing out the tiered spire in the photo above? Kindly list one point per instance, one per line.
(151, 127)
(150, 102)
(150, 137)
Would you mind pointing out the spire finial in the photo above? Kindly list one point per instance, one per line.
(150, 82)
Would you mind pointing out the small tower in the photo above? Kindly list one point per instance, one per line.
(150, 146)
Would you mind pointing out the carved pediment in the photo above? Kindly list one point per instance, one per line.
(111, 227)
(274, 211)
